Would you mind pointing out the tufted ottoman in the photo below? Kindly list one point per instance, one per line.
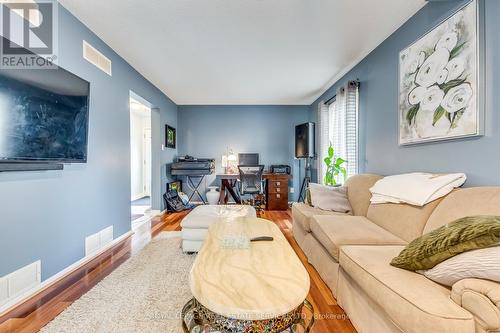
(195, 224)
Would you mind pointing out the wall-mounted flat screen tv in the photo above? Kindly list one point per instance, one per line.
(44, 116)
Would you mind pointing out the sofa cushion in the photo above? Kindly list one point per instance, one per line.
(302, 214)
(405, 221)
(413, 302)
(465, 202)
(358, 192)
(336, 231)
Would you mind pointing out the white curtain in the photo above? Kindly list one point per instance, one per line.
(323, 139)
(338, 125)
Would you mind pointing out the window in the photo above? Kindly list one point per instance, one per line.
(338, 125)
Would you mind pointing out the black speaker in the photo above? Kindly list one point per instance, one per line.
(304, 140)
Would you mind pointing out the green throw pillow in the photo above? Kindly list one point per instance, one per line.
(465, 234)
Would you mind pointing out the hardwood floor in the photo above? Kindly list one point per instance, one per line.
(32, 315)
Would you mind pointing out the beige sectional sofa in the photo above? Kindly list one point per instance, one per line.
(352, 254)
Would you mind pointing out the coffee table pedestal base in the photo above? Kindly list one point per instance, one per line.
(197, 319)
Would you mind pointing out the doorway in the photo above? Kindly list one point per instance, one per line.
(140, 159)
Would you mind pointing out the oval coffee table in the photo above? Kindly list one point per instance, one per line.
(241, 286)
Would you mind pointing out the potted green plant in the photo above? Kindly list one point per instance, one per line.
(334, 167)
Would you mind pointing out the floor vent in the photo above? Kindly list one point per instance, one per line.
(20, 281)
(92, 55)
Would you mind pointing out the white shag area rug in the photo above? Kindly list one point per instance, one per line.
(144, 294)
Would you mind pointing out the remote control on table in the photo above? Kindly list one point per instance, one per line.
(262, 239)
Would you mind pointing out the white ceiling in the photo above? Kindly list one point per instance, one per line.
(243, 51)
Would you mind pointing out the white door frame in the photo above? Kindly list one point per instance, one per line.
(146, 157)
(146, 175)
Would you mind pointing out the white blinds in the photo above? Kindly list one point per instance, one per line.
(351, 128)
(338, 125)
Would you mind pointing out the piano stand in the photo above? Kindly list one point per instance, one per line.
(195, 187)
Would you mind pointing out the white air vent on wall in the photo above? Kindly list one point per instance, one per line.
(4, 291)
(92, 244)
(106, 236)
(98, 240)
(20, 281)
(96, 58)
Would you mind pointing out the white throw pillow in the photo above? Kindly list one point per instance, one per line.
(480, 264)
(330, 198)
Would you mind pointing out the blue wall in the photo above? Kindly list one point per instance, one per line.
(206, 131)
(378, 73)
(47, 215)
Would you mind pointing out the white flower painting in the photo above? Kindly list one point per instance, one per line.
(438, 82)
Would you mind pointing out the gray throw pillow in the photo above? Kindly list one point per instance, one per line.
(330, 198)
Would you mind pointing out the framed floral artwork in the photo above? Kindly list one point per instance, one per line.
(439, 93)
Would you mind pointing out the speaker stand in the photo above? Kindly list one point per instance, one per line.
(306, 181)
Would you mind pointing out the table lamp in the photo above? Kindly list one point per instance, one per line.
(232, 162)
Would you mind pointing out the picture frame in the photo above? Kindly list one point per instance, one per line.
(174, 186)
(170, 137)
(441, 80)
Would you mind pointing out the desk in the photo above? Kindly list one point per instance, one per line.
(276, 189)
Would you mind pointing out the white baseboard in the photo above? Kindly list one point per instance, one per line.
(147, 217)
(155, 213)
(140, 196)
(58, 276)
